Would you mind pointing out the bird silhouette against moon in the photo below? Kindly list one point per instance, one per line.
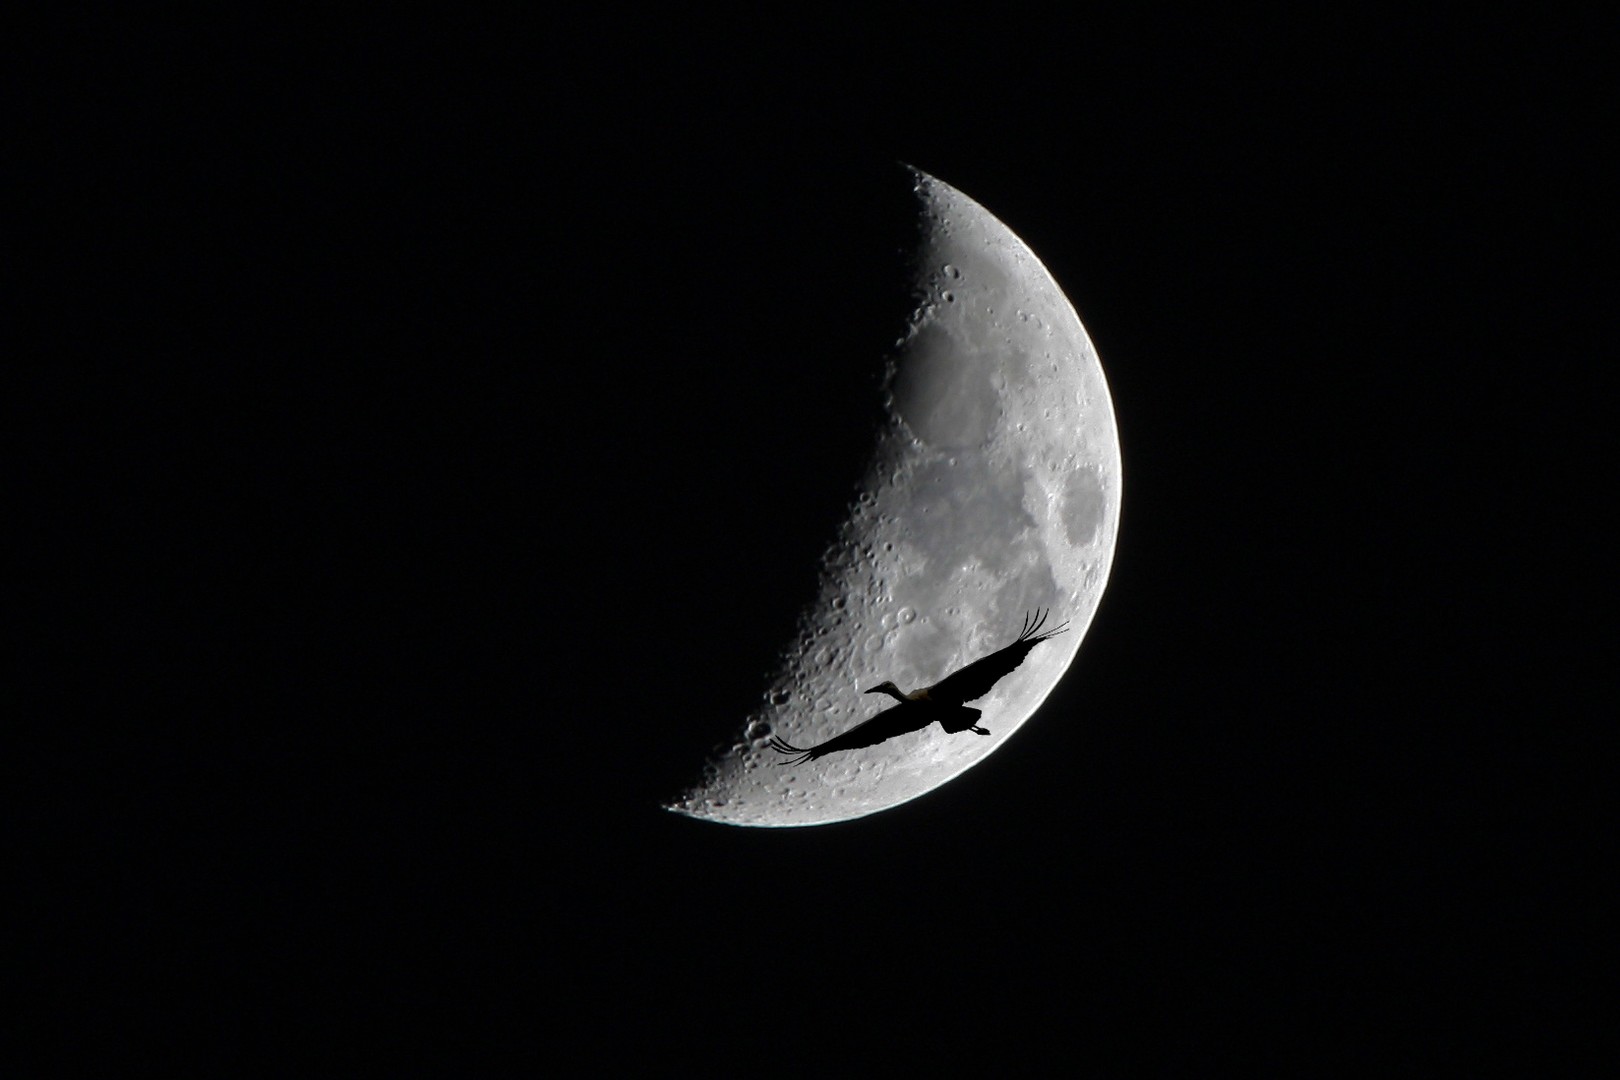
(945, 701)
(993, 490)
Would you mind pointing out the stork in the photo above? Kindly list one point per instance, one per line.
(944, 701)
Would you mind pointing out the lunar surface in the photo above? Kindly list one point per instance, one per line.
(993, 490)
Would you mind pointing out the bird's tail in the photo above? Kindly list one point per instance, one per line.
(781, 746)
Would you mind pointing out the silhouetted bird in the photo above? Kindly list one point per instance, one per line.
(943, 701)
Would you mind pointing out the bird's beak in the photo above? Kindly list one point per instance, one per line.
(874, 690)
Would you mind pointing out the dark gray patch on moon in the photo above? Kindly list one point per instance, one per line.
(943, 392)
(965, 517)
(1083, 507)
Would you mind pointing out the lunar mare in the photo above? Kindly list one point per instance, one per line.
(993, 490)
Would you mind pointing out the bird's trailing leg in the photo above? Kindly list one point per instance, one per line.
(977, 730)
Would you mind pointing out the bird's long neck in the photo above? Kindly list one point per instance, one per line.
(895, 692)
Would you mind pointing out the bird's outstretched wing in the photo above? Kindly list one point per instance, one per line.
(975, 680)
(895, 720)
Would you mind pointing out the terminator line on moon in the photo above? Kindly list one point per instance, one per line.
(993, 491)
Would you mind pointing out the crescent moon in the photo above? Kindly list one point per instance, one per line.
(993, 490)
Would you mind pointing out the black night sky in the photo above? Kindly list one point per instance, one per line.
(428, 434)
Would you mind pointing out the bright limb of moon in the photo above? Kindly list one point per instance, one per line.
(993, 490)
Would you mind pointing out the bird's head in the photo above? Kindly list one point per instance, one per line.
(890, 689)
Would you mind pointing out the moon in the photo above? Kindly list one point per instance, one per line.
(993, 490)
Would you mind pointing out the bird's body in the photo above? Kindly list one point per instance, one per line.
(945, 701)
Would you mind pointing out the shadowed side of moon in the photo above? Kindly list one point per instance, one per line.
(993, 489)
